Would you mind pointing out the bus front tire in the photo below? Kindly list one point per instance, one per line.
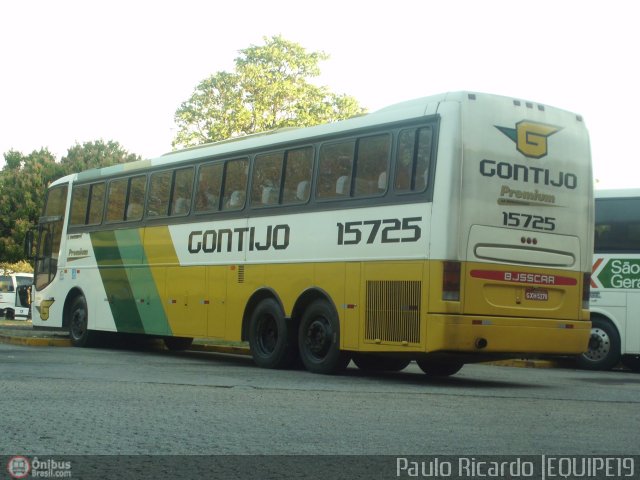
(439, 368)
(319, 340)
(603, 351)
(369, 362)
(270, 336)
(9, 314)
(79, 332)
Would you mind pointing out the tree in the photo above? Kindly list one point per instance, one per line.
(24, 180)
(269, 89)
(22, 185)
(95, 154)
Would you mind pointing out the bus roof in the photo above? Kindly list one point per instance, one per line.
(406, 110)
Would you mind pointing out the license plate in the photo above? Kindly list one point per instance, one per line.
(538, 294)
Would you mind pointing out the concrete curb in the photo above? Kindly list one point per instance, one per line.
(523, 363)
(35, 341)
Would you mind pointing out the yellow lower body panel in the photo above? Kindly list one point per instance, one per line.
(506, 335)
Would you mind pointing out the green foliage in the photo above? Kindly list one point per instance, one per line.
(269, 89)
(96, 154)
(19, 267)
(23, 183)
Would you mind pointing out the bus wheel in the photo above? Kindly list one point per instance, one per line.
(603, 351)
(79, 332)
(632, 362)
(379, 363)
(270, 338)
(9, 314)
(177, 344)
(439, 368)
(319, 340)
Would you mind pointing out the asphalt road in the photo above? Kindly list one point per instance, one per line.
(136, 401)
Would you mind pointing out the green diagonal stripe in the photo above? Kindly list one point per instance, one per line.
(133, 297)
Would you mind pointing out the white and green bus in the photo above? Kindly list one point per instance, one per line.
(615, 284)
(448, 229)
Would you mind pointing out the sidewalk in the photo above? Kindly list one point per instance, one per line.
(21, 332)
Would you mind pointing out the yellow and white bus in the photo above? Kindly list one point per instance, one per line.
(450, 229)
(615, 284)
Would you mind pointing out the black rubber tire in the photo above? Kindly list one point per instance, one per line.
(439, 368)
(319, 340)
(178, 344)
(78, 323)
(603, 351)
(632, 362)
(271, 338)
(9, 314)
(370, 362)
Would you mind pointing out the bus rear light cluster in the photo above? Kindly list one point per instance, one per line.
(451, 281)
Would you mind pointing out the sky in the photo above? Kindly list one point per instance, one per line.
(79, 71)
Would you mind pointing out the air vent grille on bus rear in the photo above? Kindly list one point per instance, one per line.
(393, 311)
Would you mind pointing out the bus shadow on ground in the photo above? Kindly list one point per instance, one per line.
(156, 346)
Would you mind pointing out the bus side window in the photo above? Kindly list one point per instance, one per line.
(182, 188)
(117, 196)
(96, 204)
(159, 187)
(235, 184)
(208, 187)
(267, 176)
(87, 204)
(413, 160)
(79, 204)
(137, 187)
(297, 176)
(334, 170)
(371, 165)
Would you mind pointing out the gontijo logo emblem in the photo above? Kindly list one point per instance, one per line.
(530, 137)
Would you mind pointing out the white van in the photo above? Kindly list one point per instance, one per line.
(15, 295)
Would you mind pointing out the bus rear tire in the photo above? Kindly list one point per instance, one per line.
(319, 340)
(271, 340)
(369, 362)
(603, 351)
(439, 368)
(79, 332)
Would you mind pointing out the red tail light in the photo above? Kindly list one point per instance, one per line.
(451, 281)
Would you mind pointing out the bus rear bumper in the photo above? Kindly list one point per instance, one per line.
(457, 333)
